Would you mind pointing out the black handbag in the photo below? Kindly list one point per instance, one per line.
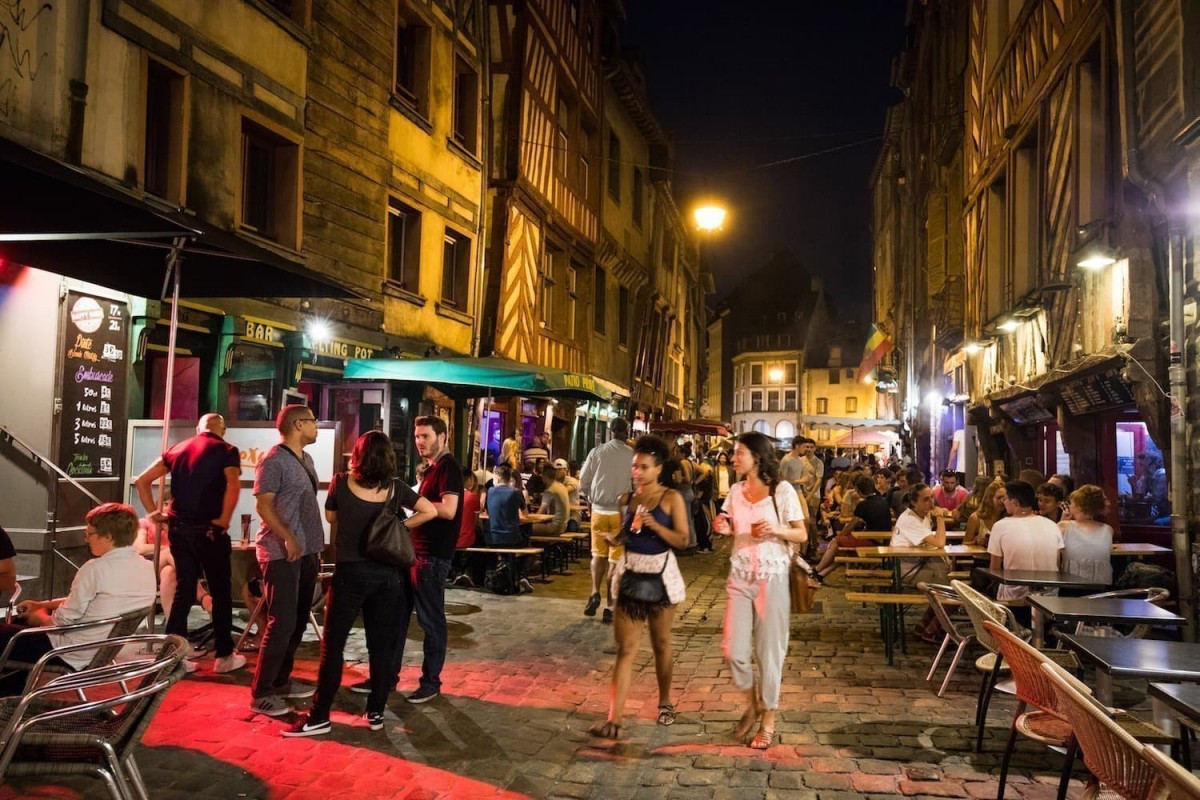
(640, 593)
(388, 540)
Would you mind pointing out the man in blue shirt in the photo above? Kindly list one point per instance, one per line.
(504, 504)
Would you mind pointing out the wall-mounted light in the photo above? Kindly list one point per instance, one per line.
(1009, 324)
(1097, 257)
(971, 348)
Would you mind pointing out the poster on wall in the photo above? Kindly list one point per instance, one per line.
(94, 377)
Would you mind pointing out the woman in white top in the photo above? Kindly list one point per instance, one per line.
(1087, 542)
(764, 516)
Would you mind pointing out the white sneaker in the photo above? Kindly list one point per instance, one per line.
(189, 666)
(229, 663)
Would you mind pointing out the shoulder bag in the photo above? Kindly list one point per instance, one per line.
(804, 597)
(388, 540)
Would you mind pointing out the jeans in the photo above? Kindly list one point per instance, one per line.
(375, 589)
(288, 592)
(193, 550)
(423, 589)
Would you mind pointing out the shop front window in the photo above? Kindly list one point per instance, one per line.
(1143, 495)
(251, 381)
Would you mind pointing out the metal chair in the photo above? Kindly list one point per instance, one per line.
(945, 601)
(51, 731)
(980, 608)
(1179, 783)
(9, 602)
(105, 649)
(1152, 594)
(1111, 755)
(260, 609)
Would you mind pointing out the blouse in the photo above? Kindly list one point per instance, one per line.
(1087, 551)
(753, 558)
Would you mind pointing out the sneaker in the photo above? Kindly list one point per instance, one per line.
(189, 666)
(463, 580)
(592, 604)
(423, 695)
(607, 615)
(295, 691)
(374, 720)
(270, 705)
(229, 663)
(525, 586)
(307, 727)
(362, 687)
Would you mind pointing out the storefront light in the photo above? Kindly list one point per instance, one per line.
(971, 348)
(1097, 258)
(1009, 325)
(319, 331)
(933, 400)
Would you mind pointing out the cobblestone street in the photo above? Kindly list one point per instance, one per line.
(527, 675)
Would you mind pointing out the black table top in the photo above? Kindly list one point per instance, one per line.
(1031, 577)
(1103, 609)
(1183, 698)
(1138, 658)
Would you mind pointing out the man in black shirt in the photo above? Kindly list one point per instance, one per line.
(206, 476)
(871, 514)
(8, 565)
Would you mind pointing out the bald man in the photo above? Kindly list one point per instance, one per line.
(205, 479)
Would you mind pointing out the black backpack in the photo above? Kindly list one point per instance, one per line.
(499, 579)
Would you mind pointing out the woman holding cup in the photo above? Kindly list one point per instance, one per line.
(655, 520)
(765, 519)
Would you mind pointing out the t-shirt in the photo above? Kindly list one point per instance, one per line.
(504, 504)
(754, 559)
(6, 546)
(293, 482)
(874, 512)
(355, 515)
(438, 537)
(573, 495)
(1030, 542)
(911, 530)
(949, 500)
(556, 501)
(197, 469)
(791, 469)
(470, 519)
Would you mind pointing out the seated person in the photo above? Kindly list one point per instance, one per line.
(536, 484)
(505, 504)
(8, 565)
(1049, 501)
(470, 514)
(562, 473)
(871, 511)
(1023, 540)
(115, 582)
(990, 511)
(167, 580)
(1087, 542)
(913, 529)
(556, 502)
(948, 494)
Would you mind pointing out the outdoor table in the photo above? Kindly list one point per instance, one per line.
(886, 536)
(1111, 610)
(1149, 659)
(1184, 700)
(1138, 549)
(1048, 579)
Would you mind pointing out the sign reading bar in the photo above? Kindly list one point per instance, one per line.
(1096, 393)
(92, 431)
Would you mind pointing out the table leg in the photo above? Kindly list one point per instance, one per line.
(1039, 627)
(1104, 687)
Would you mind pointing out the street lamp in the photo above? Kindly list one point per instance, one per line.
(709, 218)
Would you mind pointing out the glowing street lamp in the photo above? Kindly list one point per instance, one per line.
(709, 218)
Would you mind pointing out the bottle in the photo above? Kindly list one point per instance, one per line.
(245, 530)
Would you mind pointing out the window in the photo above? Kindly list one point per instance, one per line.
(762, 426)
(756, 401)
(599, 299)
(614, 167)
(784, 429)
(1093, 140)
(270, 184)
(623, 316)
(562, 146)
(835, 376)
(547, 303)
(163, 167)
(823, 434)
(995, 250)
(789, 400)
(638, 191)
(789, 373)
(849, 374)
(298, 11)
(822, 405)
(851, 405)
(404, 246)
(466, 105)
(772, 401)
(410, 82)
(756, 374)
(1025, 229)
(572, 279)
(456, 269)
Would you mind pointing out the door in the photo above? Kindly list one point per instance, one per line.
(359, 407)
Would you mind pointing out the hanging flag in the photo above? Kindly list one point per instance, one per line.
(879, 344)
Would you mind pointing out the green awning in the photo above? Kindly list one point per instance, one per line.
(473, 377)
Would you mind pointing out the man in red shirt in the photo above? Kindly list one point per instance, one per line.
(948, 494)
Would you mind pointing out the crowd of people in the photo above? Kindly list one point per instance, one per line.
(648, 501)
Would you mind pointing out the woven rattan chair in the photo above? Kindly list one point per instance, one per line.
(980, 608)
(944, 602)
(1152, 594)
(50, 731)
(120, 626)
(1112, 755)
(1178, 782)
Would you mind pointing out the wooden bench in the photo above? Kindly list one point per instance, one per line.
(892, 606)
(865, 571)
(557, 550)
(513, 555)
(578, 542)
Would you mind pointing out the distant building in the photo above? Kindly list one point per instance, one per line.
(766, 391)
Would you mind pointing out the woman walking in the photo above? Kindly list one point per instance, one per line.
(764, 516)
(355, 499)
(646, 581)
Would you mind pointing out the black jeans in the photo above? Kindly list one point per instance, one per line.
(374, 589)
(423, 589)
(28, 649)
(288, 592)
(197, 546)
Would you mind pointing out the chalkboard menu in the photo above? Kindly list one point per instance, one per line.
(1096, 393)
(1026, 410)
(92, 432)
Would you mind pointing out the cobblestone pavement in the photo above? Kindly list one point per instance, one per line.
(527, 675)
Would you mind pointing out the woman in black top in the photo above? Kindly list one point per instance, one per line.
(355, 500)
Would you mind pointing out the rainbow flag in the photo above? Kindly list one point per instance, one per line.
(879, 344)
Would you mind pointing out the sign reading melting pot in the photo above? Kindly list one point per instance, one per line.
(1096, 393)
(92, 429)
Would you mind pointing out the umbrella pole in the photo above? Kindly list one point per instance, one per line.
(174, 264)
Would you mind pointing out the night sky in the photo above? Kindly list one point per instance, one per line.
(740, 86)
